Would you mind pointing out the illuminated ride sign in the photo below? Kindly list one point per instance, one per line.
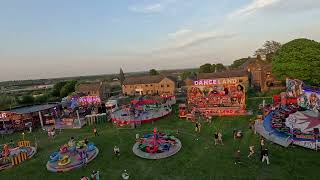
(223, 111)
(205, 82)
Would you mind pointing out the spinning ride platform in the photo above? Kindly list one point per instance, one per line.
(15, 156)
(69, 157)
(124, 117)
(157, 146)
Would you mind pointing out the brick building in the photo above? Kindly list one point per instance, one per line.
(93, 89)
(260, 74)
(144, 85)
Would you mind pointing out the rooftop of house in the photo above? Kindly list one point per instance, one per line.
(144, 79)
(85, 87)
(251, 60)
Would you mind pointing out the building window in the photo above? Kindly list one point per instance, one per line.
(161, 85)
(240, 80)
(146, 85)
(168, 85)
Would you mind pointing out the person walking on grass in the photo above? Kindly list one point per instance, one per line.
(220, 137)
(196, 127)
(216, 138)
(265, 155)
(95, 131)
(262, 143)
(199, 127)
(251, 151)
(237, 156)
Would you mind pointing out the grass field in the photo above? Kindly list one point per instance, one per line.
(198, 159)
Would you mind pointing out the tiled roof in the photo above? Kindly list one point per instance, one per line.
(88, 87)
(144, 79)
(252, 60)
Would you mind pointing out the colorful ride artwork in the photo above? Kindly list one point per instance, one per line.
(217, 97)
(14, 155)
(156, 145)
(294, 116)
(141, 111)
(72, 155)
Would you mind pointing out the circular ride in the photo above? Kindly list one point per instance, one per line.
(12, 156)
(156, 146)
(72, 155)
(141, 111)
(294, 117)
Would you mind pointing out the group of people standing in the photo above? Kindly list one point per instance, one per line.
(237, 135)
(264, 153)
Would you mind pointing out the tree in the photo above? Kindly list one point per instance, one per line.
(213, 68)
(57, 88)
(68, 88)
(220, 67)
(26, 99)
(153, 72)
(185, 75)
(238, 63)
(42, 98)
(206, 68)
(299, 59)
(268, 49)
(121, 77)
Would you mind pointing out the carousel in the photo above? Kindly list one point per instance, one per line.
(156, 145)
(72, 155)
(294, 118)
(12, 155)
(141, 111)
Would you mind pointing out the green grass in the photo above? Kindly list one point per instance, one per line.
(198, 159)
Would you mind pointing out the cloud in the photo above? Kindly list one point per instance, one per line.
(180, 33)
(149, 8)
(253, 7)
(275, 7)
(157, 7)
(201, 37)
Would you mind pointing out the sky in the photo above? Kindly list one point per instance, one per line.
(60, 38)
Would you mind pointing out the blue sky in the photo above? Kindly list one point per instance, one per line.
(56, 38)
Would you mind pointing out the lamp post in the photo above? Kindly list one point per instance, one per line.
(23, 136)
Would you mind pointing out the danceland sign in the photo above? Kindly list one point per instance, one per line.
(205, 82)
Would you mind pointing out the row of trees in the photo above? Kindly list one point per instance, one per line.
(60, 90)
(210, 68)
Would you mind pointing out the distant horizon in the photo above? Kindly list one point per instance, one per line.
(89, 75)
(48, 39)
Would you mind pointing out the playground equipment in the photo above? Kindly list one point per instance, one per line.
(156, 145)
(14, 156)
(72, 155)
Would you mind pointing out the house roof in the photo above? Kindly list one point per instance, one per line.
(89, 87)
(144, 79)
(224, 74)
(251, 60)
